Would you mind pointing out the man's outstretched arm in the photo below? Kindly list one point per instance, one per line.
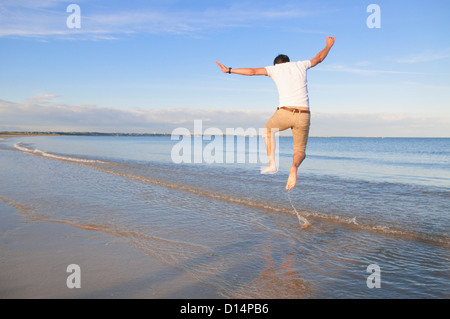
(243, 71)
(323, 54)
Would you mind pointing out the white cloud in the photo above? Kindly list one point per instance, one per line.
(425, 57)
(42, 98)
(359, 70)
(34, 3)
(379, 124)
(40, 113)
(44, 113)
(29, 18)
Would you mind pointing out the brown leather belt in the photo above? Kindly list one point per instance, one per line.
(292, 110)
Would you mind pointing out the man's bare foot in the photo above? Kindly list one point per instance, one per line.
(269, 169)
(292, 179)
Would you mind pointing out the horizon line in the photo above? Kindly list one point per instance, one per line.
(93, 133)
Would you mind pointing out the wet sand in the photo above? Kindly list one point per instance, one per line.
(34, 256)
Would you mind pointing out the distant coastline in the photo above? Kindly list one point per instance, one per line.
(10, 134)
(56, 133)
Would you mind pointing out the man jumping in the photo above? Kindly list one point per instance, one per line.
(293, 109)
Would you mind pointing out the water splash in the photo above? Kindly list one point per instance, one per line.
(302, 220)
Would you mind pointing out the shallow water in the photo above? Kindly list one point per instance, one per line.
(369, 201)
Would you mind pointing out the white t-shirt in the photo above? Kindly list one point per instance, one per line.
(290, 78)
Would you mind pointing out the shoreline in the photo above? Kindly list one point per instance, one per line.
(35, 256)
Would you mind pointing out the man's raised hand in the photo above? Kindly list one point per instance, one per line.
(330, 41)
(222, 67)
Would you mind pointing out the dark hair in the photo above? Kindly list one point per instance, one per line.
(281, 58)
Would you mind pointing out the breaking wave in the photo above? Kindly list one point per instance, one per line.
(22, 148)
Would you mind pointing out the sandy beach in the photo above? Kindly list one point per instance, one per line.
(34, 258)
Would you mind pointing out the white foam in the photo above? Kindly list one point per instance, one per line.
(37, 152)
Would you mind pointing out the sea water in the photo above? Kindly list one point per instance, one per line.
(382, 201)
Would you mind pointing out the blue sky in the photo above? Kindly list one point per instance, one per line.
(145, 66)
